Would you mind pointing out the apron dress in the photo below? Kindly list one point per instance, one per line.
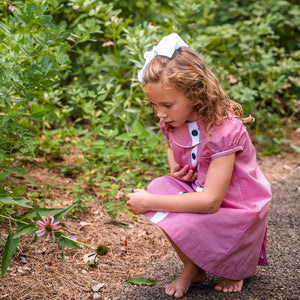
(231, 242)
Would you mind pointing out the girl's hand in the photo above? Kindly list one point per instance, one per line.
(137, 201)
(184, 174)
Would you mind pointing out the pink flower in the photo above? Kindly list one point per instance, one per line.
(231, 78)
(286, 86)
(47, 227)
(114, 19)
(109, 43)
(11, 8)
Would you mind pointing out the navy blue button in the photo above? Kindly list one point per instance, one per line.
(194, 132)
(193, 156)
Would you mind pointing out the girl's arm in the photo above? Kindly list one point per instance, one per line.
(208, 201)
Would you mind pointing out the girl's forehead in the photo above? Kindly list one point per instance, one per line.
(161, 93)
(158, 87)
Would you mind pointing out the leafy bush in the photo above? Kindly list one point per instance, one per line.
(33, 51)
(252, 43)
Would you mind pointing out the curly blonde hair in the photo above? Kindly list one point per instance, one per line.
(190, 75)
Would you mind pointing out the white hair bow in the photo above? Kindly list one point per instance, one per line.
(166, 47)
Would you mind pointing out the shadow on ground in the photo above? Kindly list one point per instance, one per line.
(278, 281)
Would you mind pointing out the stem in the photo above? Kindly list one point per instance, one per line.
(89, 246)
(12, 219)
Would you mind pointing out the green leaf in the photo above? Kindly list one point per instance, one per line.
(19, 190)
(65, 211)
(46, 18)
(140, 280)
(25, 225)
(9, 250)
(5, 28)
(64, 242)
(29, 179)
(125, 137)
(45, 62)
(295, 148)
(20, 171)
(154, 141)
(7, 200)
(137, 128)
(25, 229)
(98, 144)
(37, 111)
(105, 184)
(44, 211)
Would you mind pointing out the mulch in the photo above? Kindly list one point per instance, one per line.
(137, 248)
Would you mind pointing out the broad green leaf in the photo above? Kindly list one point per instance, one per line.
(19, 190)
(154, 141)
(141, 280)
(44, 211)
(33, 7)
(125, 137)
(45, 62)
(137, 128)
(24, 225)
(9, 250)
(47, 18)
(62, 59)
(20, 171)
(64, 242)
(7, 200)
(25, 229)
(105, 184)
(37, 111)
(65, 211)
(98, 144)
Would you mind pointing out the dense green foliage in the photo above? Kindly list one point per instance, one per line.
(68, 77)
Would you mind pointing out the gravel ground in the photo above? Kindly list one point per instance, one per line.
(278, 281)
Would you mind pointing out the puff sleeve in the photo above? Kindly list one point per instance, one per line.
(228, 138)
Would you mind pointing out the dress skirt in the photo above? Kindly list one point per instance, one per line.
(229, 243)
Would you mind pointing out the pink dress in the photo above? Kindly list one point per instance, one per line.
(231, 242)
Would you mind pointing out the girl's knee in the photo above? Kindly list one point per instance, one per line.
(167, 185)
(158, 184)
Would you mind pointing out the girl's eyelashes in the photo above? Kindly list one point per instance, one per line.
(154, 106)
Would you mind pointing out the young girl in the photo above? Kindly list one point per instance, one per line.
(214, 206)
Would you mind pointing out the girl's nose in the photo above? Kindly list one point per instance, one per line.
(161, 114)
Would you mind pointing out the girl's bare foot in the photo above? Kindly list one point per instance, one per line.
(190, 274)
(229, 285)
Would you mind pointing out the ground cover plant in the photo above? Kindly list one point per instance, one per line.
(68, 74)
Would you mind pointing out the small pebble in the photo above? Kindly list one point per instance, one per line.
(96, 296)
(97, 287)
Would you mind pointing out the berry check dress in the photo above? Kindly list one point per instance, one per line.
(231, 242)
